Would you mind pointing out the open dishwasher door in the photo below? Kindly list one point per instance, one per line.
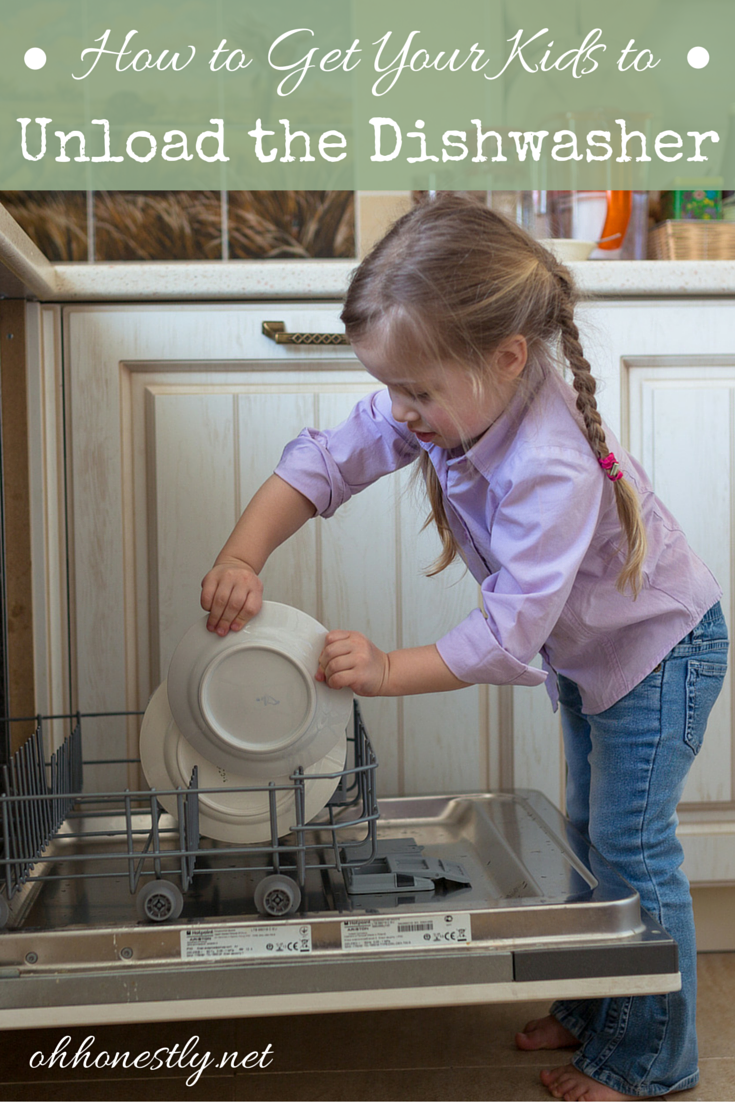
(466, 899)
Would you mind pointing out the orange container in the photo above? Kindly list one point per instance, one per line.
(619, 206)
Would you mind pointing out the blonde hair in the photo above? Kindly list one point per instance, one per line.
(449, 282)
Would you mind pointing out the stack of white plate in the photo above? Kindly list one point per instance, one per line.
(246, 710)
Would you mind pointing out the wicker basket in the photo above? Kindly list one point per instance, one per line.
(692, 240)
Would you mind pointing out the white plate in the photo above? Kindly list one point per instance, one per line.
(227, 815)
(249, 701)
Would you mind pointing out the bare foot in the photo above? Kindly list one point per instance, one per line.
(572, 1085)
(545, 1033)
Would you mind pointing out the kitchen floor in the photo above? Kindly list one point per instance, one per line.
(445, 1053)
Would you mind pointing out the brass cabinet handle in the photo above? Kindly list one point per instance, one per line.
(276, 330)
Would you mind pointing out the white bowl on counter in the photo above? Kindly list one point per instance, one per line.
(567, 249)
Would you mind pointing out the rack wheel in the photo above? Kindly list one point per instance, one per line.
(159, 900)
(277, 895)
(4, 912)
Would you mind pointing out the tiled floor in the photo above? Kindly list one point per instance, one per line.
(448, 1053)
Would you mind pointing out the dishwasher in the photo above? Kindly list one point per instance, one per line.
(114, 910)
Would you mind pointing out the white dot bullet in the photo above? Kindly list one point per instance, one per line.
(35, 58)
(698, 57)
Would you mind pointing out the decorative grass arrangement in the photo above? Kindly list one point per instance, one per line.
(55, 220)
(187, 225)
(158, 225)
(298, 224)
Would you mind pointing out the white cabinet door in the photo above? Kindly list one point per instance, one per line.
(176, 415)
(668, 371)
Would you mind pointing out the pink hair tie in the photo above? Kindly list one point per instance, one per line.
(611, 467)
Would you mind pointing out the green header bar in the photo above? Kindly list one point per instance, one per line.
(347, 94)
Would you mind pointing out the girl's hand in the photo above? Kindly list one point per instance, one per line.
(350, 661)
(232, 593)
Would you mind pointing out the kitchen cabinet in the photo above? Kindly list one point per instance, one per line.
(669, 370)
(175, 416)
(176, 413)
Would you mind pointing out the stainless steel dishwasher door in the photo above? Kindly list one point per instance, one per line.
(540, 914)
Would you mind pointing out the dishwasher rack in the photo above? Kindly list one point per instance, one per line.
(44, 801)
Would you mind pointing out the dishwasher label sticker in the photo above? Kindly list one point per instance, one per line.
(273, 940)
(414, 932)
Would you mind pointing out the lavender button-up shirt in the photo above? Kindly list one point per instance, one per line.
(537, 525)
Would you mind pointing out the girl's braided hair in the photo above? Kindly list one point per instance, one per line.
(449, 282)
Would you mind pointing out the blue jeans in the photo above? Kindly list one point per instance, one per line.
(626, 771)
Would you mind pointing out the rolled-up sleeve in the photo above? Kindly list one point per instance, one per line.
(329, 466)
(539, 534)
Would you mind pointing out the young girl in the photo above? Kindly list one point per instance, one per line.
(461, 316)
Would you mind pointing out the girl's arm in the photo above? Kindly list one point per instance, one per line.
(350, 660)
(327, 467)
(232, 592)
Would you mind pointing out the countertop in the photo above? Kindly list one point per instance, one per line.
(25, 272)
(328, 279)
